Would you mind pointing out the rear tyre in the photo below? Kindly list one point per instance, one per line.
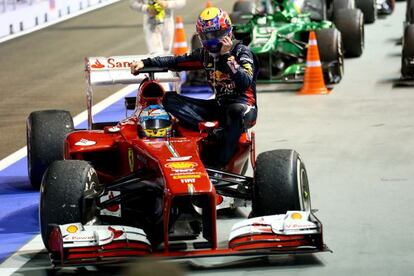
(351, 25)
(265, 68)
(368, 8)
(46, 132)
(409, 12)
(316, 8)
(330, 51)
(245, 7)
(281, 184)
(407, 60)
(338, 5)
(62, 195)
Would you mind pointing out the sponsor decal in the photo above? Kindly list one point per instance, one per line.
(72, 229)
(97, 65)
(191, 180)
(85, 143)
(180, 158)
(184, 176)
(80, 238)
(181, 165)
(182, 171)
(186, 173)
(298, 226)
(296, 216)
(131, 159)
(111, 63)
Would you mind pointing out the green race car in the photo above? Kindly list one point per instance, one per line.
(278, 31)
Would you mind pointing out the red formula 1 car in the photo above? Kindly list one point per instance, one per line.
(142, 187)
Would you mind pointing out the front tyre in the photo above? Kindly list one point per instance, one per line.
(407, 60)
(281, 184)
(67, 195)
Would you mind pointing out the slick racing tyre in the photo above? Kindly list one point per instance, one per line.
(331, 54)
(338, 5)
(68, 193)
(351, 25)
(281, 184)
(368, 8)
(244, 7)
(241, 8)
(46, 132)
(409, 12)
(265, 68)
(407, 61)
(316, 8)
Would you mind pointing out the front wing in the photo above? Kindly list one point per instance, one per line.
(291, 233)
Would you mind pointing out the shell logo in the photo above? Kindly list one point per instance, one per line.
(72, 229)
(296, 216)
(181, 165)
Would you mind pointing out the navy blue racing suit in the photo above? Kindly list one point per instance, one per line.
(233, 79)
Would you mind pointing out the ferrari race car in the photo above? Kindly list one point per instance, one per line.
(278, 34)
(144, 188)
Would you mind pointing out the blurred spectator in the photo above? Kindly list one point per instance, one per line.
(158, 22)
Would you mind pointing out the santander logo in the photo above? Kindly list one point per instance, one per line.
(97, 65)
(111, 63)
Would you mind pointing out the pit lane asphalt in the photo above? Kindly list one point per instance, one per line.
(357, 143)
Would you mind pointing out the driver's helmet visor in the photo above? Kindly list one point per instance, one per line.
(155, 123)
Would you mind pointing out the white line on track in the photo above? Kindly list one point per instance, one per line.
(98, 6)
(21, 153)
(24, 254)
(21, 257)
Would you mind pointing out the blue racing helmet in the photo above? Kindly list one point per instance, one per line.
(155, 122)
(212, 25)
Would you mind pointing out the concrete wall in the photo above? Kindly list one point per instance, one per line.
(22, 16)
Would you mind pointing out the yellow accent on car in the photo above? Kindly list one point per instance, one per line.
(72, 229)
(131, 160)
(296, 216)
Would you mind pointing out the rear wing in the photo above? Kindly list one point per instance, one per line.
(100, 71)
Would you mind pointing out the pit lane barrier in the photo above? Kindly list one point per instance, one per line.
(19, 17)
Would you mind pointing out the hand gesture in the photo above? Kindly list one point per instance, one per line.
(227, 44)
(135, 66)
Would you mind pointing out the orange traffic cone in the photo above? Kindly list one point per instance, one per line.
(313, 82)
(180, 41)
(209, 4)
